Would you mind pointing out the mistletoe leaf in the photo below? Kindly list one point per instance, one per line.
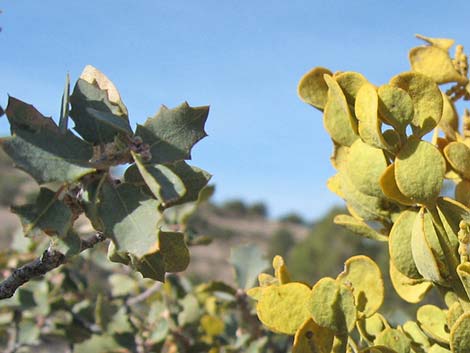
(337, 118)
(312, 87)
(364, 277)
(284, 308)
(419, 171)
(409, 289)
(426, 97)
(400, 244)
(173, 132)
(436, 63)
(332, 306)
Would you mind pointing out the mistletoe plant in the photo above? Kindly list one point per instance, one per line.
(140, 213)
(392, 180)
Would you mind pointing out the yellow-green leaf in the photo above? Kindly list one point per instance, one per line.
(395, 107)
(363, 157)
(311, 338)
(433, 321)
(443, 43)
(426, 97)
(463, 270)
(462, 192)
(426, 249)
(312, 88)
(419, 171)
(284, 308)
(332, 306)
(337, 117)
(458, 156)
(280, 270)
(460, 335)
(366, 109)
(390, 188)
(359, 227)
(410, 290)
(394, 339)
(436, 63)
(350, 82)
(449, 122)
(364, 277)
(399, 244)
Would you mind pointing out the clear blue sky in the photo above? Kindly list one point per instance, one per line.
(243, 58)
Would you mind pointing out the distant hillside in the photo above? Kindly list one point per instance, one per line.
(228, 230)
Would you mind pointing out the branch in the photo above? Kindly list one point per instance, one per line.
(49, 260)
(145, 294)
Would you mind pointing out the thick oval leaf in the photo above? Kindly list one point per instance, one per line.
(280, 270)
(462, 192)
(350, 82)
(360, 205)
(357, 226)
(390, 188)
(49, 156)
(394, 339)
(370, 327)
(332, 306)
(436, 63)
(460, 335)
(366, 109)
(449, 122)
(311, 338)
(458, 156)
(426, 97)
(130, 218)
(363, 157)
(417, 336)
(410, 290)
(453, 314)
(426, 249)
(312, 88)
(433, 321)
(284, 308)
(399, 244)
(395, 107)
(443, 43)
(364, 277)
(419, 171)
(173, 132)
(463, 270)
(337, 117)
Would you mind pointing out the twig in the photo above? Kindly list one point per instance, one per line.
(145, 294)
(48, 261)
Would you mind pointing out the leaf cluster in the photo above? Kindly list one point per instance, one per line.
(391, 176)
(141, 213)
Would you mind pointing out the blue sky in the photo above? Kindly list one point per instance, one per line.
(243, 58)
